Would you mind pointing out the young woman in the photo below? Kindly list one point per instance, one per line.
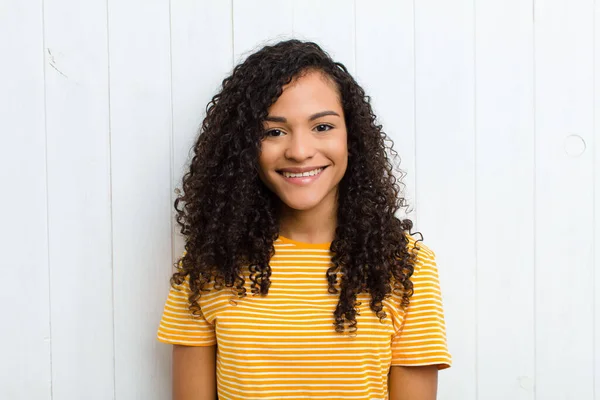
(297, 280)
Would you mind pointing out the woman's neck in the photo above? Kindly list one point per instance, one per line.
(316, 225)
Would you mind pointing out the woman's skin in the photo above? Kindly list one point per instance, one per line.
(413, 383)
(300, 135)
(194, 372)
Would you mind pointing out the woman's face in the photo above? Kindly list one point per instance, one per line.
(305, 152)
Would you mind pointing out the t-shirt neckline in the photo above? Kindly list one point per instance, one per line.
(284, 239)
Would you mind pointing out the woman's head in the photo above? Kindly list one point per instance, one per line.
(289, 105)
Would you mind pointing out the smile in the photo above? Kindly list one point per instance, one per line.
(303, 178)
(298, 175)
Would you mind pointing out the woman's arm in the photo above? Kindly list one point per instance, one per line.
(194, 372)
(413, 383)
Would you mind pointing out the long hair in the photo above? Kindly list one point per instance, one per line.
(229, 217)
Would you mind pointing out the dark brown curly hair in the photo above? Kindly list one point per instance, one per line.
(229, 217)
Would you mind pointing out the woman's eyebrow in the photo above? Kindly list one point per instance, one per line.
(274, 118)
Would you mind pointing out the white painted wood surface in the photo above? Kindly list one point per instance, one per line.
(491, 106)
(564, 199)
(504, 160)
(25, 348)
(445, 172)
(79, 220)
(140, 132)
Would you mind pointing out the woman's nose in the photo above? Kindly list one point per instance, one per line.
(300, 146)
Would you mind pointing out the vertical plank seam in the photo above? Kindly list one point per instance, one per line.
(534, 202)
(595, 333)
(415, 136)
(47, 198)
(110, 196)
(231, 12)
(171, 147)
(354, 49)
(293, 17)
(475, 198)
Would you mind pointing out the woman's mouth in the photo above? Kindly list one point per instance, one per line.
(302, 178)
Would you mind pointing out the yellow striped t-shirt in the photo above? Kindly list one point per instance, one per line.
(284, 346)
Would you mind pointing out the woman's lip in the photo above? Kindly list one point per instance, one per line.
(301, 170)
(303, 180)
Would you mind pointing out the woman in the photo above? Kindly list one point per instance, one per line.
(298, 281)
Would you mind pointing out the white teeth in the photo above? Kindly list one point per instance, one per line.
(298, 175)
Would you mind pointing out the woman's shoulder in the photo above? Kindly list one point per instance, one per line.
(423, 251)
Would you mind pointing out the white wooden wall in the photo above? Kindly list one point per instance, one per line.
(491, 104)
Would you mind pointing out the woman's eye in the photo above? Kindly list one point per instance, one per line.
(324, 127)
(274, 132)
(279, 132)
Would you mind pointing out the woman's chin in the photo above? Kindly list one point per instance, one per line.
(302, 204)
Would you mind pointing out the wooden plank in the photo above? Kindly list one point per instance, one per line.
(564, 101)
(195, 81)
(140, 107)
(260, 22)
(330, 24)
(385, 49)
(79, 200)
(505, 167)
(445, 172)
(25, 365)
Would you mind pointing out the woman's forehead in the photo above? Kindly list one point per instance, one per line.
(308, 94)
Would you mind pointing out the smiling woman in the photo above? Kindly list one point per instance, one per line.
(298, 281)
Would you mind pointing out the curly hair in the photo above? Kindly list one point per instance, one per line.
(229, 217)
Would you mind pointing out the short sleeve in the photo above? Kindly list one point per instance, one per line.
(179, 326)
(421, 339)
